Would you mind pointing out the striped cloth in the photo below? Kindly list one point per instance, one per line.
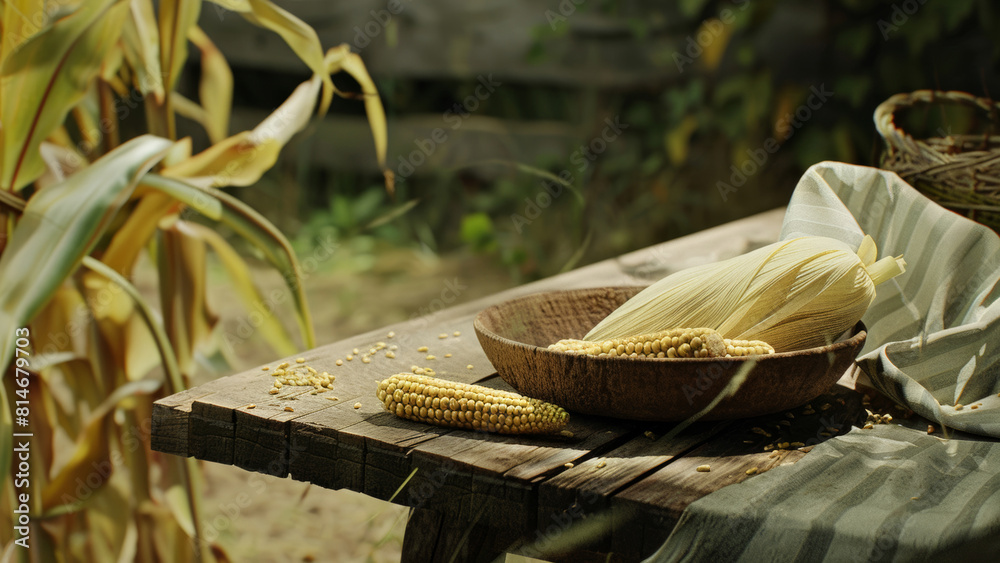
(892, 493)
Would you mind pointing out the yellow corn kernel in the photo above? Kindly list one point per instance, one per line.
(674, 343)
(472, 407)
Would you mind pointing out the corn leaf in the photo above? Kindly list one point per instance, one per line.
(241, 159)
(60, 225)
(45, 78)
(177, 17)
(92, 450)
(299, 36)
(351, 62)
(275, 248)
(215, 90)
(186, 316)
(141, 46)
(240, 276)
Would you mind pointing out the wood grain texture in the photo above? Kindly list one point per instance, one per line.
(622, 488)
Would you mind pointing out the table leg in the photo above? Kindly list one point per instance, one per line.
(431, 536)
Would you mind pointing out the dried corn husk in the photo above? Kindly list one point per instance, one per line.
(793, 294)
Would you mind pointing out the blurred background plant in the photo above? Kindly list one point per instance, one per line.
(97, 184)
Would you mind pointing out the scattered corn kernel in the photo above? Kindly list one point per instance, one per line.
(265, 368)
(806, 449)
(390, 354)
(959, 406)
(649, 434)
(391, 334)
(449, 355)
(868, 426)
(796, 444)
(566, 433)
(931, 429)
(350, 357)
(752, 471)
(340, 362)
(468, 366)
(456, 333)
(567, 465)
(311, 370)
(277, 384)
(914, 498)
(289, 409)
(357, 405)
(332, 398)
(283, 365)
(431, 357)
(355, 351)
(251, 406)
(601, 464)
(974, 407)
(366, 359)
(443, 335)
(703, 468)
(272, 391)
(783, 446)
(300, 360)
(422, 349)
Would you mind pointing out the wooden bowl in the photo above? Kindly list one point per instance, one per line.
(515, 334)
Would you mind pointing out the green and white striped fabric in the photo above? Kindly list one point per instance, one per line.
(891, 493)
(933, 332)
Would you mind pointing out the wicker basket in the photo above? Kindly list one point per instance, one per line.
(960, 172)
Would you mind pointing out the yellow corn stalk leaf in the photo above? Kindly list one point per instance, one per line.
(240, 276)
(215, 90)
(176, 17)
(141, 47)
(186, 317)
(342, 57)
(275, 248)
(91, 460)
(45, 78)
(59, 227)
(241, 159)
(300, 37)
(793, 294)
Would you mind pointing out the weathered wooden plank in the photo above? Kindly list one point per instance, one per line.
(169, 432)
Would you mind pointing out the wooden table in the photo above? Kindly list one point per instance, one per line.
(613, 487)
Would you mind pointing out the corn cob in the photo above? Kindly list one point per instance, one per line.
(473, 407)
(675, 343)
(793, 294)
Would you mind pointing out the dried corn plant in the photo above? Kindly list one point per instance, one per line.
(79, 205)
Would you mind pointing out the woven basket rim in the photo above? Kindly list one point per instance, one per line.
(899, 139)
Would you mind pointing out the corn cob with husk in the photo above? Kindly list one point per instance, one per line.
(473, 407)
(675, 343)
(793, 294)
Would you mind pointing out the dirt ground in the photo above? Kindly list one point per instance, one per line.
(286, 520)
